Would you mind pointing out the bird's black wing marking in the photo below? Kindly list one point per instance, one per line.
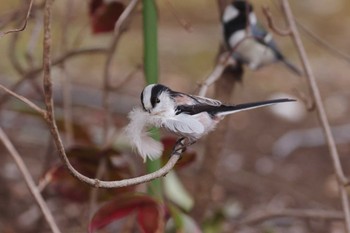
(213, 110)
(198, 108)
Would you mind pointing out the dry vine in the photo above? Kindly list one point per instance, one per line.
(342, 179)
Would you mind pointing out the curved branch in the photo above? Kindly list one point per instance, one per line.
(24, 24)
(29, 181)
(272, 24)
(342, 180)
(54, 130)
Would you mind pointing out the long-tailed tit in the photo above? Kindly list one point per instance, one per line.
(246, 37)
(188, 116)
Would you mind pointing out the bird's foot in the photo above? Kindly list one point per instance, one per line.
(181, 145)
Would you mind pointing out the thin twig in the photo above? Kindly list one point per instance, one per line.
(9, 17)
(324, 44)
(261, 216)
(223, 61)
(184, 23)
(41, 111)
(24, 24)
(35, 71)
(272, 25)
(320, 110)
(12, 54)
(34, 38)
(126, 79)
(29, 182)
(64, 57)
(119, 25)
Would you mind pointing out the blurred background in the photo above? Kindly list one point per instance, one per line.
(271, 158)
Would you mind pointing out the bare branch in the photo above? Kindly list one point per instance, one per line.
(64, 57)
(184, 23)
(13, 55)
(324, 44)
(268, 214)
(320, 110)
(223, 61)
(29, 181)
(126, 79)
(24, 24)
(54, 130)
(107, 68)
(272, 25)
(35, 71)
(25, 100)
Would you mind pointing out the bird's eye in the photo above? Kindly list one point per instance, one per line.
(157, 100)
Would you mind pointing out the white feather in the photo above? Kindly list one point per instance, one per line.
(230, 13)
(183, 124)
(136, 131)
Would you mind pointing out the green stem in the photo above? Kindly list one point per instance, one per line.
(150, 38)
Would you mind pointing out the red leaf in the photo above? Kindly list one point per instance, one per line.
(149, 213)
(86, 160)
(149, 218)
(104, 15)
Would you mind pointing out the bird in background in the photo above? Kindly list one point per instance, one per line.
(250, 43)
(188, 116)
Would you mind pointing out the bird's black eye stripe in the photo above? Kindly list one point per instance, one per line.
(156, 91)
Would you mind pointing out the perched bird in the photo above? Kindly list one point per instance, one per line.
(187, 116)
(250, 43)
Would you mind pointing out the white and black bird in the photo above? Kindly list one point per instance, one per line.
(250, 43)
(187, 116)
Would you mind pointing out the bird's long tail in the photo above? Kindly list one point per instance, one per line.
(226, 110)
(292, 67)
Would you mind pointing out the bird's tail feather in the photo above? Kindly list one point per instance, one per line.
(292, 67)
(226, 110)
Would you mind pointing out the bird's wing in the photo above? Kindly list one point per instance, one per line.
(259, 31)
(265, 38)
(186, 99)
(183, 124)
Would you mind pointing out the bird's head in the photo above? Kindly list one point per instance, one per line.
(156, 99)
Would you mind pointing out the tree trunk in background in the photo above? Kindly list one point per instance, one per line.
(214, 146)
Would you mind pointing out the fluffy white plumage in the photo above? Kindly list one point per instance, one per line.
(136, 131)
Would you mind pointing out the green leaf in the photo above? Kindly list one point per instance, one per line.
(176, 192)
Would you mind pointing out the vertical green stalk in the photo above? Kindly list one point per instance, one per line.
(150, 45)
